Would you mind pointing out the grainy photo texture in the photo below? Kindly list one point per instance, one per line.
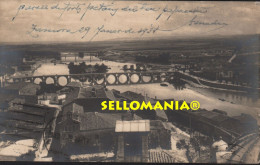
(129, 81)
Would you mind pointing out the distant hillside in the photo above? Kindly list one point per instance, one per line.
(160, 44)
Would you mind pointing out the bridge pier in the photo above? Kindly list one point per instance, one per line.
(68, 79)
(124, 78)
(43, 79)
(55, 79)
(2, 79)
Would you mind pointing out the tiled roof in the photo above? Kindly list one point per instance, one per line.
(244, 118)
(74, 84)
(94, 92)
(77, 108)
(132, 96)
(21, 117)
(25, 99)
(160, 156)
(74, 108)
(212, 116)
(110, 95)
(94, 120)
(71, 96)
(159, 113)
(20, 85)
(89, 92)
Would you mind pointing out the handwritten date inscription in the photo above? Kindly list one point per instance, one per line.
(194, 17)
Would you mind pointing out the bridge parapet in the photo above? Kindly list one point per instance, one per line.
(123, 78)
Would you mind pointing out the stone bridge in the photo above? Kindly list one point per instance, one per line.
(124, 78)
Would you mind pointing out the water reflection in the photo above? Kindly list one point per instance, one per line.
(230, 96)
(209, 98)
(207, 101)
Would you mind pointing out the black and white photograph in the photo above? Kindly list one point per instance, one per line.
(130, 81)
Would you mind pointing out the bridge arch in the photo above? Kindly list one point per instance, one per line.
(135, 78)
(62, 80)
(100, 79)
(156, 78)
(111, 79)
(146, 78)
(37, 80)
(123, 78)
(163, 76)
(50, 80)
(89, 80)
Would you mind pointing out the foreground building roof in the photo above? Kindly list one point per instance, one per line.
(133, 126)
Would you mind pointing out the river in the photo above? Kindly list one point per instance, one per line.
(234, 103)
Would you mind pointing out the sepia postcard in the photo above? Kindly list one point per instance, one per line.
(130, 81)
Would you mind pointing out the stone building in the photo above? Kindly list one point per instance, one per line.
(21, 88)
(82, 127)
(87, 132)
(132, 143)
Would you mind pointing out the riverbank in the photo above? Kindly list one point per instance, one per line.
(217, 85)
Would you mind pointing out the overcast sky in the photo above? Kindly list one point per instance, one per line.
(237, 18)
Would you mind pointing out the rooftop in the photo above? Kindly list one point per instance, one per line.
(132, 96)
(133, 126)
(20, 85)
(94, 120)
(89, 92)
(213, 116)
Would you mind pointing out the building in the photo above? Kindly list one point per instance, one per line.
(130, 96)
(27, 120)
(21, 99)
(51, 98)
(160, 135)
(132, 143)
(90, 98)
(21, 88)
(214, 123)
(87, 132)
(219, 153)
(82, 127)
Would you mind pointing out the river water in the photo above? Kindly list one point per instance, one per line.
(234, 103)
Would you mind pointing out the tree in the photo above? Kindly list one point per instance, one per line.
(102, 68)
(82, 66)
(125, 67)
(138, 68)
(71, 67)
(81, 54)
